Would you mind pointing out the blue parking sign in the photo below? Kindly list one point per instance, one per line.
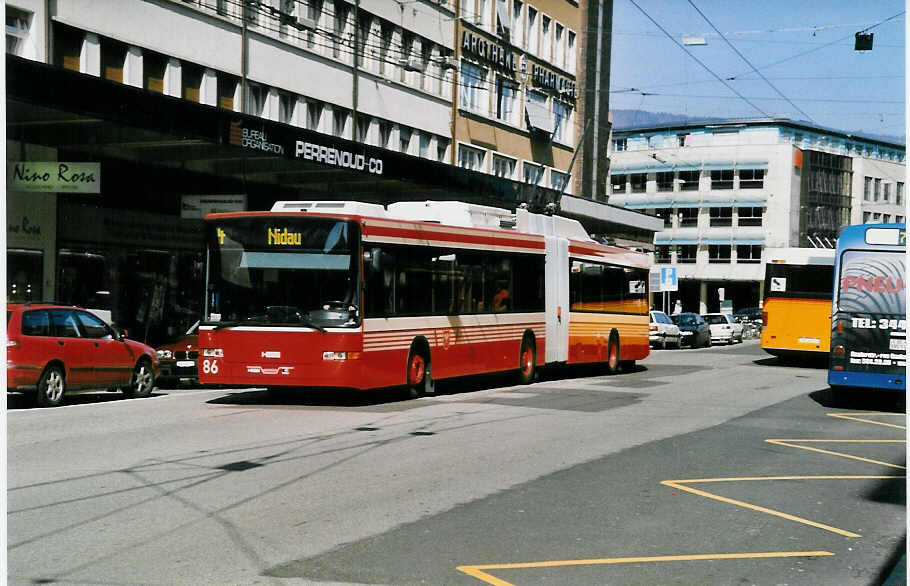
(668, 280)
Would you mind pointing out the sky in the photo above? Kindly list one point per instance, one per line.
(787, 58)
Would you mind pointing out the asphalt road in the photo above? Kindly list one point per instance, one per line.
(715, 466)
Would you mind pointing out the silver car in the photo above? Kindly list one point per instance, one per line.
(663, 331)
(724, 329)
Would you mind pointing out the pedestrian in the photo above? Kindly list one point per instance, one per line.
(677, 308)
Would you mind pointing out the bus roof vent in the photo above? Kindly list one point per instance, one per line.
(452, 213)
(551, 226)
(331, 207)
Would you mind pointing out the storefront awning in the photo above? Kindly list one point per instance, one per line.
(539, 119)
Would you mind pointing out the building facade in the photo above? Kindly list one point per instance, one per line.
(126, 126)
(725, 191)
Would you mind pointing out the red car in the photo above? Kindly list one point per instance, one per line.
(178, 359)
(53, 350)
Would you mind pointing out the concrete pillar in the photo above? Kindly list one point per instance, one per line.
(90, 57)
(703, 297)
(208, 90)
(173, 78)
(132, 67)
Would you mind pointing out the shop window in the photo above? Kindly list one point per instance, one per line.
(662, 254)
(67, 47)
(618, 183)
(686, 253)
(665, 181)
(719, 253)
(153, 68)
(749, 216)
(722, 179)
(688, 180)
(721, 216)
(638, 182)
(83, 279)
(748, 253)
(24, 270)
(688, 217)
(751, 178)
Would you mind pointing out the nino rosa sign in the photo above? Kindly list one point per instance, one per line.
(55, 177)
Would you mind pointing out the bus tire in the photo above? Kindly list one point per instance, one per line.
(613, 362)
(419, 374)
(527, 361)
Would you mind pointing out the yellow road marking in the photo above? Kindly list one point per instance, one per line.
(862, 418)
(477, 571)
(786, 442)
(681, 485)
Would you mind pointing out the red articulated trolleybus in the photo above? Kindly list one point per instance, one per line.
(354, 295)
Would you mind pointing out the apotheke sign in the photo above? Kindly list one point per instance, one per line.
(55, 177)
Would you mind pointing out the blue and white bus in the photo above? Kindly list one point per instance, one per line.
(868, 321)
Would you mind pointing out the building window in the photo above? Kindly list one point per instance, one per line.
(473, 88)
(17, 26)
(722, 179)
(749, 216)
(688, 217)
(503, 19)
(570, 53)
(721, 216)
(876, 189)
(314, 114)
(867, 188)
(385, 134)
(751, 178)
(682, 140)
(546, 40)
(340, 29)
(748, 253)
(506, 100)
(227, 87)
(385, 45)
(662, 254)
(340, 121)
(517, 33)
(287, 104)
(666, 214)
(559, 51)
(562, 129)
(619, 144)
(113, 58)
(532, 29)
(557, 180)
(470, 158)
(899, 219)
(638, 181)
(665, 181)
(867, 217)
(876, 218)
(404, 139)
(618, 183)
(256, 96)
(886, 192)
(153, 67)
(504, 167)
(688, 180)
(686, 253)
(532, 173)
(719, 253)
(442, 149)
(423, 146)
(899, 193)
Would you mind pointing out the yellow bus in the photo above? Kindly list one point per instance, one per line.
(796, 313)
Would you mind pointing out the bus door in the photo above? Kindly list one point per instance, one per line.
(557, 299)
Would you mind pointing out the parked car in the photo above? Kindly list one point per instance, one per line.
(663, 331)
(724, 328)
(693, 328)
(55, 350)
(178, 359)
(748, 313)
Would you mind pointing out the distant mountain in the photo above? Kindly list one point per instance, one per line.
(625, 119)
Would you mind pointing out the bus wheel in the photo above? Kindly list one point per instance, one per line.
(419, 375)
(527, 362)
(613, 362)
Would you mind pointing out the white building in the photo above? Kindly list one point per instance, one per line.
(727, 190)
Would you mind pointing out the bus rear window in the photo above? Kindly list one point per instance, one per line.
(872, 282)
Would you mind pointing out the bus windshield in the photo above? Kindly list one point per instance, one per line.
(872, 282)
(283, 271)
(799, 281)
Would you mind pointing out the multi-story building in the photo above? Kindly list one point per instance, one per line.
(126, 124)
(726, 190)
